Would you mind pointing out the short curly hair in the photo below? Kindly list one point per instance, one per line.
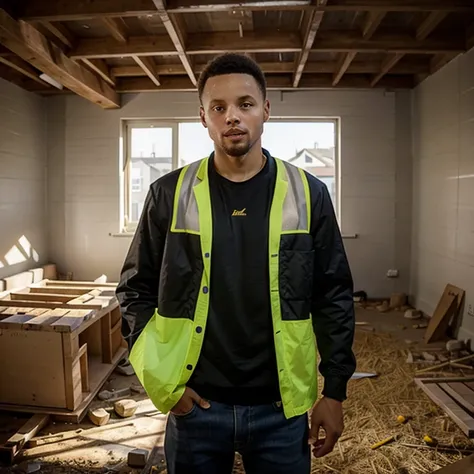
(232, 63)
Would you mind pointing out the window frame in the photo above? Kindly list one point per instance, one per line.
(129, 125)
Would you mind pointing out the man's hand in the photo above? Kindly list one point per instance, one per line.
(327, 414)
(186, 402)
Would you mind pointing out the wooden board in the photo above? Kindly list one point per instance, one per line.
(465, 466)
(459, 415)
(447, 308)
(99, 373)
(32, 368)
(20, 280)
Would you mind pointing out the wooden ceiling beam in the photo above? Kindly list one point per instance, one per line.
(194, 6)
(429, 24)
(308, 82)
(470, 37)
(22, 66)
(28, 43)
(314, 21)
(100, 67)
(325, 67)
(215, 43)
(388, 64)
(343, 65)
(440, 60)
(117, 28)
(61, 32)
(149, 68)
(176, 31)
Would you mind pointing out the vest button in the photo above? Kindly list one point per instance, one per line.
(189, 367)
(199, 329)
(206, 254)
(205, 289)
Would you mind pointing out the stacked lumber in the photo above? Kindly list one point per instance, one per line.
(59, 340)
(455, 396)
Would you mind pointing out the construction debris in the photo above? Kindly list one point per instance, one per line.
(454, 345)
(99, 417)
(412, 314)
(397, 300)
(125, 408)
(138, 458)
(113, 395)
(384, 307)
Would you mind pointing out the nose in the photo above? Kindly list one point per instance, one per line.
(232, 117)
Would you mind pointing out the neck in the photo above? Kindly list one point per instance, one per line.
(239, 168)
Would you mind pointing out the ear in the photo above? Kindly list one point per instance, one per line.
(202, 114)
(266, 110)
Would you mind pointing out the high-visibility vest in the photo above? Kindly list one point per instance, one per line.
(168, 349)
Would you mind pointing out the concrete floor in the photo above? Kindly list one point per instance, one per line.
(106, 451)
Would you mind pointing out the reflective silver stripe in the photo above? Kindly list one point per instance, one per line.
(187, 217)
(295, 212)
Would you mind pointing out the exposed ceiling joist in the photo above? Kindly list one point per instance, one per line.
(117, 28)
(194, 6)
(60, 10)
(388, 64)
(440, 60)
(176, 32)
(100, 67)
(325, 67)
(429, 24)
(343, 65)
(29, 44)
(22, 66)
(470, 37)
(61, 32)
(215, 43)
(308, 82)
(314, 21)
(149, 68)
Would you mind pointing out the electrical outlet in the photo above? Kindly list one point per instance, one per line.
(470, 310)
(392, 273)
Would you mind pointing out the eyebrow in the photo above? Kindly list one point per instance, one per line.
(240, 99)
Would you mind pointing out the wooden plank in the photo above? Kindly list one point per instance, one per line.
(72, 371)
(314, 21)
(79, 284)
(372, 22)
(466, 380)
(19, 280)
(100, 67)
(461, 393)
(82, 355)
(94, 304)
(34, 374)
(149, 67)
(28, 43)
(106, 335)
(63, 290)
(117, 28)
(99, 373)
(444, 401)
(387, 65)
(464, 466)
(430, 24)
(25, 68)
(194, 6)
(343, 66)
(176, 31)
(40, 297)
(16, 442)
(448, 306)
(61, 32)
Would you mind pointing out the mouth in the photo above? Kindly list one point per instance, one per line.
(235, 136)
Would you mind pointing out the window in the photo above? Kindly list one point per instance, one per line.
(154, 148)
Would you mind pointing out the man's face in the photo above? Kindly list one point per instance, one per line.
(234, 111)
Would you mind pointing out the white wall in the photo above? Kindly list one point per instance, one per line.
(22, 180)
(376, 177)
(443, 186)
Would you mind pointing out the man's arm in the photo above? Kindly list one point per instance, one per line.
(332, 305)
(137, 291)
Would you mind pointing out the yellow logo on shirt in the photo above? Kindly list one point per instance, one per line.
(240, 213)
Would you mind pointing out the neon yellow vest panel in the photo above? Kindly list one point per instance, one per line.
(168, 348)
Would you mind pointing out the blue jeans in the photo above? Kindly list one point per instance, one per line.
(205, 441)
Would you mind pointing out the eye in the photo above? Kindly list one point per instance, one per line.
(246, 105)
(218, 108)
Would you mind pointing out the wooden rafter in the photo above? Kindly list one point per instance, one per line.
(28, 43)
(282, 82)
(470, 37)
(388, 64)
(60, 10)
(214, 43)
(117, 28)
(440, 60)
(422, 32)
(324, 67)
(22, 66)
(343, 65)
(100, 67)
(314, 21)
(176, 32)
(61, 32)
(149, 68)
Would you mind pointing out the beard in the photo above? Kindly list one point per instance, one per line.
(237, 149)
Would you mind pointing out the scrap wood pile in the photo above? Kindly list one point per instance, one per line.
(391, 426)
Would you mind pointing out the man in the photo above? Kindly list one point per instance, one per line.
(236, 270)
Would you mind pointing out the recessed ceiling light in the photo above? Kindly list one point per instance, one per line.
(86, 27)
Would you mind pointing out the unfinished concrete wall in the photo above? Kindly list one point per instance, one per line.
(443, 187)
(23, 218)
(375, 174)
